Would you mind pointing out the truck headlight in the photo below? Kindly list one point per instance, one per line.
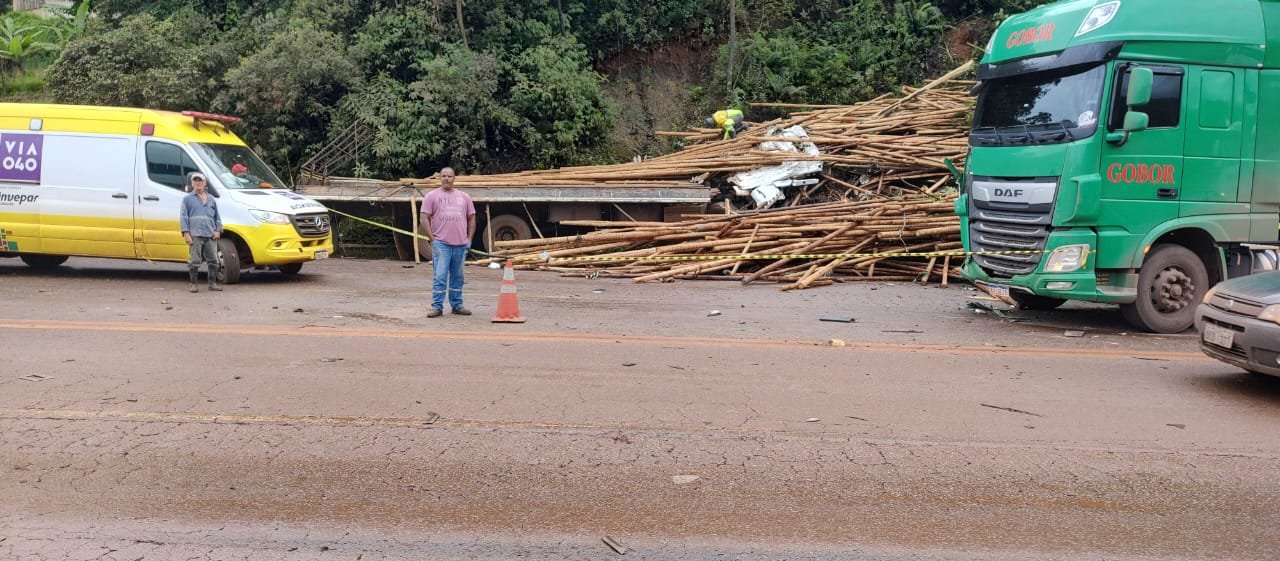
(269, 217)
(1270, 313)
(1067, 259)
(1099, 16)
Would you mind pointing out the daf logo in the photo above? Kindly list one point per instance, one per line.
(1012, 193)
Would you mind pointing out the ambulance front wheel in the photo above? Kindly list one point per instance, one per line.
(229, 257)
(43, 261)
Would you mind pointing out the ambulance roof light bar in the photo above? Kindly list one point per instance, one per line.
(223, 120)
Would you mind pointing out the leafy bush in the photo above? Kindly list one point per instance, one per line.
(286, 92)
(143, 63)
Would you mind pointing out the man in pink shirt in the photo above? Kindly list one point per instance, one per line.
(450, 216)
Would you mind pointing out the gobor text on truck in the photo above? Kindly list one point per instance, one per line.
(1125, 152)
(108, 182)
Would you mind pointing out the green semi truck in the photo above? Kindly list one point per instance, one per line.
(1125, 151)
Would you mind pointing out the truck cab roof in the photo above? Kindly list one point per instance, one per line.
(1231, 32)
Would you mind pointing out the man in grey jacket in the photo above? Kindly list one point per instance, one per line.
(201, 227)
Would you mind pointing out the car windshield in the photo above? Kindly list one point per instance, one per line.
(1041, 108)
(237, 166)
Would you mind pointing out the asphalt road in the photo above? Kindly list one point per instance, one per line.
(325, 417)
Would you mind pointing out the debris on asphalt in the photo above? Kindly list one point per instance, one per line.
(837, 319)
(812, 420)
(598, 291)
(1012, 410)
(857, 418)
(683, 479)
(628, 364)
(836, 343)
(615, 546)
(330, 359)
(35, 377)
(297, 310)
(901, 331)
(1176, 425)
(980, 307)
(1070, 333)
(432, 417)
(713, 313)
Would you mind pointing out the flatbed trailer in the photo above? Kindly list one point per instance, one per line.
(515, 212)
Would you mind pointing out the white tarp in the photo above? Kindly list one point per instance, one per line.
(765, 184)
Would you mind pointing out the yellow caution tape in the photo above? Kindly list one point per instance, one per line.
(769, 257)
(765, 257)
(383, 226)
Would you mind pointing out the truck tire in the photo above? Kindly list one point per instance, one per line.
(1035, 302)
(290, 269)
(229, 259)
(505, 228)
(37, 261)
(1171, 284)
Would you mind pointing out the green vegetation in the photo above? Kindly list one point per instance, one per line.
(485, 85)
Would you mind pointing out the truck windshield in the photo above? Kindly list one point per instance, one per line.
(237, 166)
(1042, 108)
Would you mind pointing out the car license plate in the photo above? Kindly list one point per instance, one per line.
(1000, 291)
(1219, 336)
(322, 254)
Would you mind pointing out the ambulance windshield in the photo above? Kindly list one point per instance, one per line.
(237, 166)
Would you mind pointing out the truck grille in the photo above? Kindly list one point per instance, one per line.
(312, 225)
(1010, 215)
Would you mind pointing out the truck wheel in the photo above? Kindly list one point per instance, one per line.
(290, 269)
(1035, 302)
(505, 228)
(1171, 284)
(43, 261)
(229, 258)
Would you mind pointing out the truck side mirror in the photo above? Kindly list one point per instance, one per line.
(1140, 85)
(1135, 121)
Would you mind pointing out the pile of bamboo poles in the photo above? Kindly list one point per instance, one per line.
(878, 213)
(831, 242)
(886, 145)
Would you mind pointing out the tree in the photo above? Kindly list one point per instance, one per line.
(20, 42)
(143, 63)
(286, 92)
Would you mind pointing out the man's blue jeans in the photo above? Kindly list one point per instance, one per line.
(446, 265)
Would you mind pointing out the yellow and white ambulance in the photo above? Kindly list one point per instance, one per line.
(107, 182)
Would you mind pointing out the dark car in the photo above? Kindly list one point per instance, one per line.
(1239, 322)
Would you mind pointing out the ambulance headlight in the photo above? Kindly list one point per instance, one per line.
(1067, 259)
(269, 217)
(1099, 16)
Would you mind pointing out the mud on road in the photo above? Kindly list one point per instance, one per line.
(325, 417)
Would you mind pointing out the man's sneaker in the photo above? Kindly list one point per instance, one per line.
(194, 288)
(462, 311)
(435, 313)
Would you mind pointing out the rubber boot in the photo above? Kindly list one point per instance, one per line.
(213, 279)
(195, 276)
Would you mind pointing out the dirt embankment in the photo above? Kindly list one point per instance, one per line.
(653, 90)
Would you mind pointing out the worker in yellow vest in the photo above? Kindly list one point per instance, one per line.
(728, 120)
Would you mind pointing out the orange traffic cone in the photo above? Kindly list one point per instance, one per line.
(508, 303)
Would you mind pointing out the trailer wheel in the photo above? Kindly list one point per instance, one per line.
(229, 259)
(1171, 284)
(505, 228)
(1034, 301)
(38, 261)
